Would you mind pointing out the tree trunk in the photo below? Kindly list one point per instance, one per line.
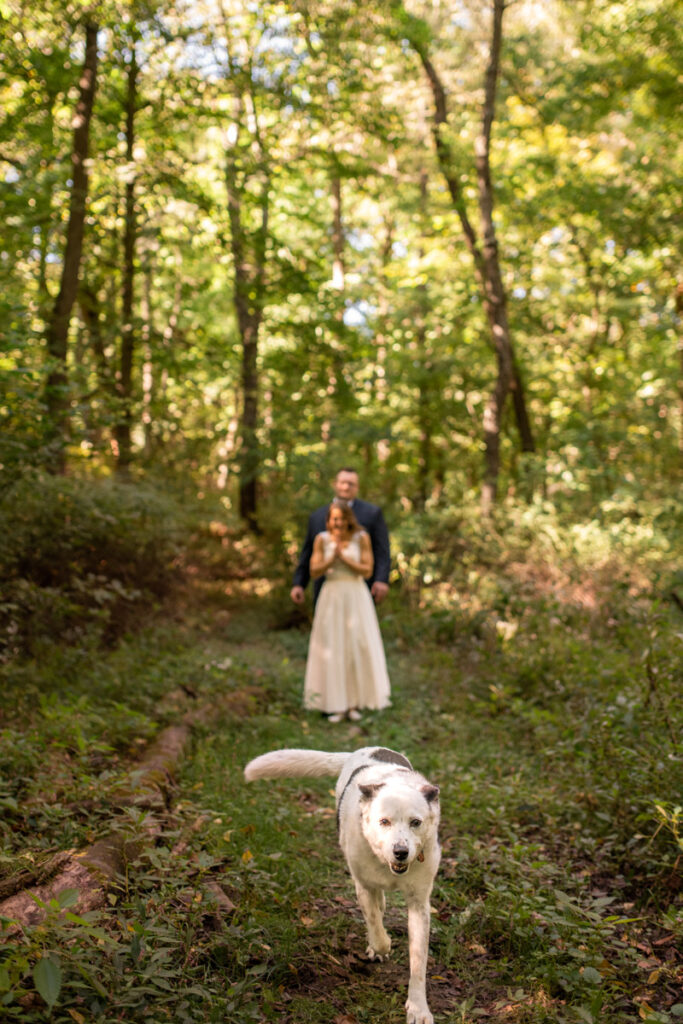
(424, 397)
(57, 332)
(249, 257)
(89, 306)
(124, 379)
(485, 256)
(250, 461)
(147, 364)
(337, 234)
(493, 282)
(381, 340)
(526, 434)
(336, 376)
(679, 310)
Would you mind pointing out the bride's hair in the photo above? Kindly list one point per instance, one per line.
(350, 520)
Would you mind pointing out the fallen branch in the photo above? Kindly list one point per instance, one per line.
(92, 870)
(33, 876)
(147, 788)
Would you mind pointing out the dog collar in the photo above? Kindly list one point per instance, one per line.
(360, 768)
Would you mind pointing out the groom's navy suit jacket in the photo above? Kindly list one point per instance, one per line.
(371, 519)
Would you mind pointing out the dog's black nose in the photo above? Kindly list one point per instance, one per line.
(400, 852)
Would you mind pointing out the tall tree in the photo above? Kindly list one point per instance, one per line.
(249, 262)
(586, 201)
(124, 377)
(679, 311)
(57, 331)
(484, 250)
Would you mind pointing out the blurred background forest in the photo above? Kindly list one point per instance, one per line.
(244, 244)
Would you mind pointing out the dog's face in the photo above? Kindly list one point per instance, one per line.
(397, 820)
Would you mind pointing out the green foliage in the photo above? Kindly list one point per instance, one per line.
(81, 557)
(535, 674)
(392, 369)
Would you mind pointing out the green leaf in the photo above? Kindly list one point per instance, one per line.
(591, 975)
(75, 919)
(100, 989)
(67, 898)
(47, 977)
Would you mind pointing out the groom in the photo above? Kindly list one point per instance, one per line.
(370, 518)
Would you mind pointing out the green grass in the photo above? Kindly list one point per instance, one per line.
(545, 862)
(551, 726)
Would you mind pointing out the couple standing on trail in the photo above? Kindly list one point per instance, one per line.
(347, 544)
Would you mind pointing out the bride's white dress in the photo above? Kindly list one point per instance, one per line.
(346, 667)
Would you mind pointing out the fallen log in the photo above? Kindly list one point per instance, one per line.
(89, 872)
(148, 787)
(33, 876)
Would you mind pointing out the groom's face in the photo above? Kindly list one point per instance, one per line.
(346, 485)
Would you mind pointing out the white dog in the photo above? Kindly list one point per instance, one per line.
(388, 817)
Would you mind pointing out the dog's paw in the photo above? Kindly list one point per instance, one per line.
(379, 950)
(418, 1013)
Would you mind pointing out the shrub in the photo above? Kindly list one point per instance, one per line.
(80, 557)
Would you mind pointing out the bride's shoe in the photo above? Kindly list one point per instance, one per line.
(354, 715)
(335, 718)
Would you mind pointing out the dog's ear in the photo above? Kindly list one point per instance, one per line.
(370, 792)
(430, 793)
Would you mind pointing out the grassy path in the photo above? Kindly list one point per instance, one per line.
(529, 904)
(555, 901)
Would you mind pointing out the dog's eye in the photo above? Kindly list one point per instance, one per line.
(384, 822)
(415, 823)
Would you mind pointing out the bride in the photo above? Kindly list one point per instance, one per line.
(346, 668)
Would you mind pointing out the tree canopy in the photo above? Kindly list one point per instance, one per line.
(436, 240)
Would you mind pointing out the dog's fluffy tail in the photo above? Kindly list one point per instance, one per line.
(292, 763)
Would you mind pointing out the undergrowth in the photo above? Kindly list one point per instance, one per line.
(539, 685)
(80, 560)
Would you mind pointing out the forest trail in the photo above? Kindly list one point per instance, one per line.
(532, 912)
(554, 902)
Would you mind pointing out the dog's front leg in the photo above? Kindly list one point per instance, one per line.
(417, 1011)
(372, 904)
